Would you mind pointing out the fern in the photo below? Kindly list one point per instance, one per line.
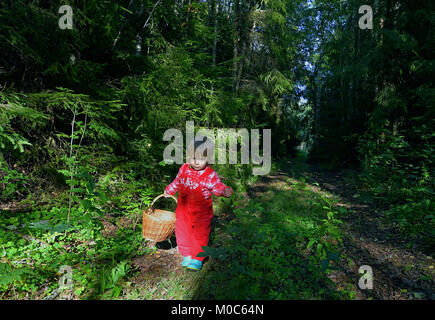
(9, 275)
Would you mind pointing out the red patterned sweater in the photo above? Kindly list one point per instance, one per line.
(207, 179)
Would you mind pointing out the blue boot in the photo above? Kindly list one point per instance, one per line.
(186, 261)
(195, 265)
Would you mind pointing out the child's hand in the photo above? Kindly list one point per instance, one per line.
(228, 193)
(166, 195)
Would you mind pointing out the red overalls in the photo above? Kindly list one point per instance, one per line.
(194, 208)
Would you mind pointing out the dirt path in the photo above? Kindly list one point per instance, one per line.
(400, 270)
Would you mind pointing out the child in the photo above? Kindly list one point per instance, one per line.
(195, 181)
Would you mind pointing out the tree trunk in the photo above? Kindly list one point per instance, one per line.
(216, 11)
(251, 44)
(236, 42)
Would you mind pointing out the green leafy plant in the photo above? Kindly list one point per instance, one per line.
(10, 275)
(11, 181)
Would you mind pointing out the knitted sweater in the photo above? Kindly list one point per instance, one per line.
(207, 180)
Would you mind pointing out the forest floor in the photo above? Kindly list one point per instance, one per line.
(279, 228)
(401, 271)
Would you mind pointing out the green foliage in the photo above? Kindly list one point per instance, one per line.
(371, 94)
(399, 173)
(10, 275)
(109, 280)
(90, 116)
(13, 108)
(270, 253)
(11, 181)
(36, 240)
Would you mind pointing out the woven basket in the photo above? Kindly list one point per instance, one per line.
(158, 225)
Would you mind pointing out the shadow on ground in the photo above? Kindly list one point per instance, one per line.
(265, 256)
(258, 253)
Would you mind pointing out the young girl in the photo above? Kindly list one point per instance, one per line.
(195, 181)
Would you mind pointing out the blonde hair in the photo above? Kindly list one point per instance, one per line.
(203, 145)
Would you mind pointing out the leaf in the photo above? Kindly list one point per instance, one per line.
(310, 243)
(90, 186)
(125, 9)
(319, 248)
(8, 274)
(86, 204)
(116, 291)
(100, 195)
(65, 172)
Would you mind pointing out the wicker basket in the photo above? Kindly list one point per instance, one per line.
(158, 225)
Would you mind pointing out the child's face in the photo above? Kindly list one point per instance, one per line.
(198, 164)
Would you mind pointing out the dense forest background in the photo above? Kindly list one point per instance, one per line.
(83, 110)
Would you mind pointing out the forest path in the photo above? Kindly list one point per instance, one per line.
(401, 270)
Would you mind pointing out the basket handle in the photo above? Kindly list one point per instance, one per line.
(155, 199)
